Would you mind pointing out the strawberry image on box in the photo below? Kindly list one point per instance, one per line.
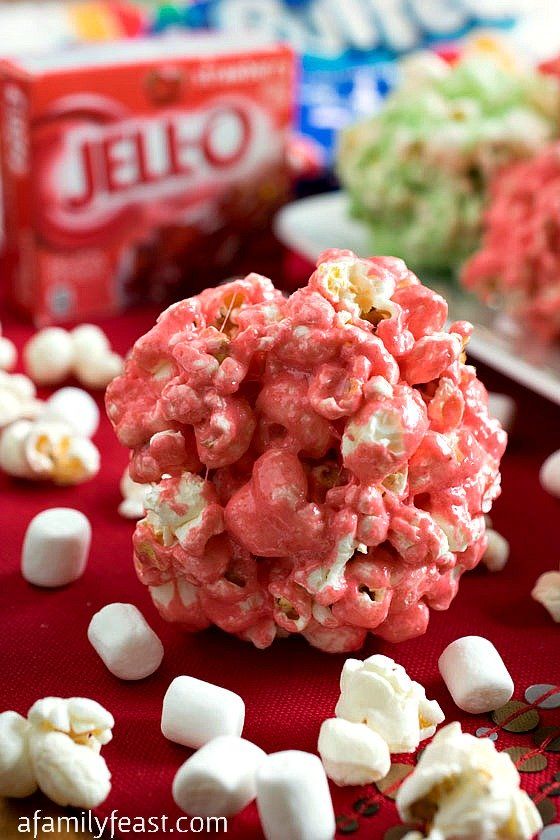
(129, 168)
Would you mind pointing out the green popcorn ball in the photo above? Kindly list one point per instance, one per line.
(418, 171)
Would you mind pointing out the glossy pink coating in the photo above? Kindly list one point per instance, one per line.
(320, 464)
(518, 265)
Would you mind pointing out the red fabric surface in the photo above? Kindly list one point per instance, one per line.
(290, 688)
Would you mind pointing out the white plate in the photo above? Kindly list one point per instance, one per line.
(312, 225)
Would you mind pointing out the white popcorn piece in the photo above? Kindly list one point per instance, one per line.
(8, 354)
(133, 505)
(19, 384)
(65, 740)
(503, 408)
(352, 754)
(17, 398)
(125, 641)
(56, 547)
(88, 340)
(293, 797)
(54, 452)
(347, 282)
(13, 458)
(173, 519)
(76, 408)
(17, 778)
(219, 780)
(475, 674)
(86, 721)
(379, 693)
(49, 356)
(69, 773)
(550, 474)
(194, 712)
(98, 369)
(383, 427)
(547, 592)
(463, 788)
(497, 552)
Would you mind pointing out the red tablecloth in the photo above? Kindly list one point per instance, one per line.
(290, 688)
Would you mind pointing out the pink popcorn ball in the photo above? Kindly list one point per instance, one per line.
(518, 264)
(319, 464)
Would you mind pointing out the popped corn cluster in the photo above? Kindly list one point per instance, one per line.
(320, 464)
(417, 172)
(518, 265)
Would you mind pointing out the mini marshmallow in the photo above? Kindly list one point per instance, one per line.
(49, 356)
(195, 711)
(134, 497)
(219, 779)
(475, 674)
(8, 354)
(547, 592)
(98, 369)
(550, 474)
(56, 547)
(293, 797)
(17, 778)
(125, 641)
(351, 753)
(502, 407)
(497, 552)
(13, 459)
(76, 408)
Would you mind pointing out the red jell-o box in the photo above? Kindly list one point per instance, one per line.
(139, 169)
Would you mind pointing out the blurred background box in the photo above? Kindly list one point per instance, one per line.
(139, 169)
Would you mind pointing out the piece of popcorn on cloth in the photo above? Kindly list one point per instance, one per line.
(321, 463)
(379, 693)
(462, 787)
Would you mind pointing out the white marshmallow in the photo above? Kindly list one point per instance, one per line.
(13, 458)
(195, 711)
(76, 408)
(48, 356)
(98, 369)
(125, 641)
(550, 474)
(17, 778)
(87, 340)
(503, 408)
(293, 797)
(351, 753)
(497, 552)
(219, 779)
(475, 674)
(8, 354)
(56, 547)
(547, 592)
